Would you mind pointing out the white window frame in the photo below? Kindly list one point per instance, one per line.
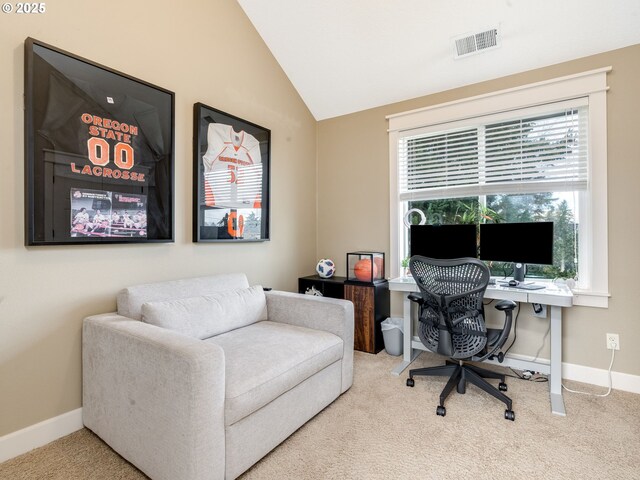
(593, 287)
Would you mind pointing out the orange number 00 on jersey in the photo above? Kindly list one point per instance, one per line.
(99, 150)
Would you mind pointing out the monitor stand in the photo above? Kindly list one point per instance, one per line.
(519, 271)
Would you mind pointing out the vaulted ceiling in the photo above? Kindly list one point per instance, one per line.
(344, 56)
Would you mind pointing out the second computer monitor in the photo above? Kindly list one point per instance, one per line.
(444, 241)
(520, 243)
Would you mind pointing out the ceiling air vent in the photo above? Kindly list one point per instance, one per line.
(470, 44)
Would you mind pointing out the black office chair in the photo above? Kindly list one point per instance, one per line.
(452, 324)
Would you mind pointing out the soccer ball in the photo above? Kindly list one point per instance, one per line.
(326, 268)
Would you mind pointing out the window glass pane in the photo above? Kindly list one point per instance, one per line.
(559, 207)
(449, 210)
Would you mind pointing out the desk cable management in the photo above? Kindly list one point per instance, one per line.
(613, 353)
(527, 375)
(532, 378)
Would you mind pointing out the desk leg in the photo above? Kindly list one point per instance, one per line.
(409, 355)
(555, 376)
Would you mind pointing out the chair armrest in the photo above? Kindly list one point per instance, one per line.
(507, 307)
(155, 396)
(320, 313)
(503, 305)
(414, 297)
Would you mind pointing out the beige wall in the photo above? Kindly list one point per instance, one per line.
(209, 52)
(205, 51)
(353, 204)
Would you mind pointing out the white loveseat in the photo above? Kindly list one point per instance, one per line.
(200, 378)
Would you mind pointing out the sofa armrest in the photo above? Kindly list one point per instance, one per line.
(320, 313)
(155, 396)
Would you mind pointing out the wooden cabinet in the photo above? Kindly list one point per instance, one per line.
(371, 306)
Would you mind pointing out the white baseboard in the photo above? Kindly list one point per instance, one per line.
(40, 434)
(580, 373)
(600, 377)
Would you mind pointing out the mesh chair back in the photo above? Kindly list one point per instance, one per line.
(451, 316)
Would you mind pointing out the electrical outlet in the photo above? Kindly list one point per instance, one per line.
(613, 341)
(539, 310)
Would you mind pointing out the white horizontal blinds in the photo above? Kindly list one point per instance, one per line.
(544, 151)
(438, 161)
(536, 149)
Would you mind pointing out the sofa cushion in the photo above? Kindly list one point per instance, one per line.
(205, 316)
(266, 359)
(130, 299)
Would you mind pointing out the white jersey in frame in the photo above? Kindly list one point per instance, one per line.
(232, 168)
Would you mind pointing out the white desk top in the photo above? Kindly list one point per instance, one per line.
(552, 294)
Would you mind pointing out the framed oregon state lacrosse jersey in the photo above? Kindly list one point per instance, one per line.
(96, 140)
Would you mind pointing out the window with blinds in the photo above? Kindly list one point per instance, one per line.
(524, 151)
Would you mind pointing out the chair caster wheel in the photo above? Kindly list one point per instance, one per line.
(510, 415)
(441, 411)
(500, 357)
(410, 382)
(502, 387)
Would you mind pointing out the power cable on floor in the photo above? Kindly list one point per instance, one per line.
(613, 356)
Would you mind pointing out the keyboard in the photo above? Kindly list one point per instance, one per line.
(531, 286)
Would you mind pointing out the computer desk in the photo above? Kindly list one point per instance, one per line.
(555, 296)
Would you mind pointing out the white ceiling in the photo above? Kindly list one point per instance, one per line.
(344, 56)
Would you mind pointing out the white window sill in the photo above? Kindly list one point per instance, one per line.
(586, 298)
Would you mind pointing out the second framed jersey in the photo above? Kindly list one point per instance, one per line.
(231, 178)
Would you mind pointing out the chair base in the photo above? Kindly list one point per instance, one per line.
(461, 373)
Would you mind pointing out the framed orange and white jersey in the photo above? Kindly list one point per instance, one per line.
(231, 177)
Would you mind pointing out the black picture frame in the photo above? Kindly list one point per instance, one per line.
(99, 153)
(231, 178)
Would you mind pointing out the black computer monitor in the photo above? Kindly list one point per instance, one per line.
(443, 241)
(520, 243)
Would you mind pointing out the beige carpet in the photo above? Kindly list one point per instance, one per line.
(381, 429)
